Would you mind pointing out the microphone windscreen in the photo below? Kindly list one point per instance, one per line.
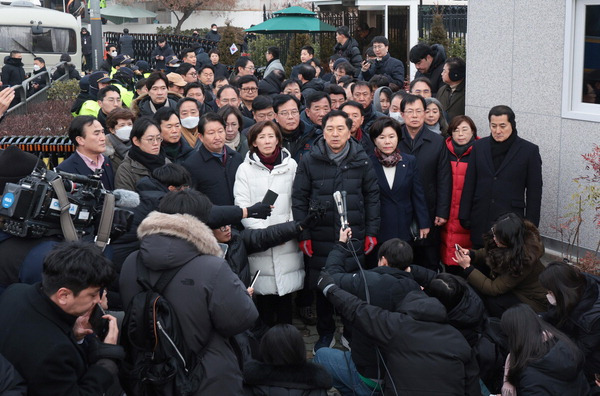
(126, 198)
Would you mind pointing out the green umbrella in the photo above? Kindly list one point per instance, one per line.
(119, 13)
(292, 20)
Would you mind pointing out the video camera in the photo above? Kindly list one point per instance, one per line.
(31, 207)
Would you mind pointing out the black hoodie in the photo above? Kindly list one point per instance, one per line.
(12, 71)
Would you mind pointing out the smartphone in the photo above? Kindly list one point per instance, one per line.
(98, 323)
(270, 197)
(254, 278)
(224, 247)
(457, 246)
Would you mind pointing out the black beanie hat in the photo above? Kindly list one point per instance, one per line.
(15, 164)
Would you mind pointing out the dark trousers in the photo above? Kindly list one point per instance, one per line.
(88, 63)
(274, 309)
(304, 297)
(427, 252)
(325, 322)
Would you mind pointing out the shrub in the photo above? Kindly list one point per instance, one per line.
(52, 118)
(64, 90)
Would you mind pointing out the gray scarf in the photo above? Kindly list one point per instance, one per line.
(339, 157)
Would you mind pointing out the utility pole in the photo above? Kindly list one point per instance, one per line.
(96, 25)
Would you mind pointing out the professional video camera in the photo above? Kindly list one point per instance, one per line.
(31, 207)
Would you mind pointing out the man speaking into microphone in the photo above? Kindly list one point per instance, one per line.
(336, 162)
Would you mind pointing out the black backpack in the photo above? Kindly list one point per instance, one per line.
(157, 360)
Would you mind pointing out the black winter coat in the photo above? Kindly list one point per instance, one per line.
(317, 178)
(70, 70)
(424, 354)
(308, 379)
(434, 74)
(211, 176)
(387, 288)
(515, 187)
(312, 86)
(211, 303)
(269, 85)
(86, 44)
(126, 45)
(11, 382)
(42, 347)
(434, 168)
(164, 51)
(220, 70)
(371, 115)
(390, 67)
(583, 324)
(557, 373)
(351, 52)
(468, 316)
(300, 142)
(12, 72)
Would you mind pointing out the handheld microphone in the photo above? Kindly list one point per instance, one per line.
(340, 203)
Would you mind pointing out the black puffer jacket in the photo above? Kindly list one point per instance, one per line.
(424, 354)
(390, 67)
(387, 288)
(312, 86)
(371, 115)
(250, 241)
(317, 178)
(350, 51)
(468, 316)
(300, 142)
(557, 373)
(270, 85)
(583, 324)
(262, 379)
(12, 71)
(434, 74)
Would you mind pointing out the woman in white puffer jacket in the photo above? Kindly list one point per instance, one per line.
(268, 166)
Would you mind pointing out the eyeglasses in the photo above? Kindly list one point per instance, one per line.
(154, 139)
(411, 112)
(250, 89)
(250, 68)
(194, 74)
(225, 228)
(286, 113)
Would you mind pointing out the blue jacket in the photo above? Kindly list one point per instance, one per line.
(74, 164)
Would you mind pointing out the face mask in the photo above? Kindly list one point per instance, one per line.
(190, 122)
(123, 133)
(551, 298)
(36, 67)
(396, 116)
(175, 66)
(214, 30)
(113, 54)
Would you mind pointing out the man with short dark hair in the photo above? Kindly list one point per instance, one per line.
(362, 93)
(39, 66)
(109, 98)
(307, 75)
(43, 325)
(337, 95)
(213, 34)
(452, 94)
(384, 64)
(13, 73)
(273, 62)
(318, 105)
(213, 165)
(248, 86)
(429, 61)
(504, 175)
(88, 137)
(188, 55)
(298, 137)
(306, 56)
(357, 114)
(436, 176)
(126, 43)
(160, 53)
(347, 47)
(244, 67)
(335, 163)
(388, 284)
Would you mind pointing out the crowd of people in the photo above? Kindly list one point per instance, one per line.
(433, 259)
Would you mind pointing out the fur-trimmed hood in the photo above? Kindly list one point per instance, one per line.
(303, 376)
(169, 240)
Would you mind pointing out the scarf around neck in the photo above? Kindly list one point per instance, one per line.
(235, 142)
(271, 160)
(149, 161)
(338, 157)
(388, 161)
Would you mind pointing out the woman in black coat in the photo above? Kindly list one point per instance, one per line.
(575, 300)
(400, 189)
(284, 369)
(541, 360)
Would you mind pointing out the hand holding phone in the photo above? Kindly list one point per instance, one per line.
(254, 279)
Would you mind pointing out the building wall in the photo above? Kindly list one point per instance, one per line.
(515, 57)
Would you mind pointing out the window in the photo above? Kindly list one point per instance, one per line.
(581, 90)
(51, 40)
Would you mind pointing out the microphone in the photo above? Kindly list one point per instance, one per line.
(126, 198)
(340, 203)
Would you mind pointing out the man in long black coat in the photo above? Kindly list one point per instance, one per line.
(504, 175)
(335, 163)
(435, 172)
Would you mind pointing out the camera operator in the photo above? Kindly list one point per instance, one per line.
(87, 135)
(43, 324)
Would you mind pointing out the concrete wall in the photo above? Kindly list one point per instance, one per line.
(515, 57)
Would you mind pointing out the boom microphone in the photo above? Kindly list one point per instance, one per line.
(126, 199)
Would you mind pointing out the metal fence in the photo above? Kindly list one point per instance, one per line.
(144, 43)
(455, 21)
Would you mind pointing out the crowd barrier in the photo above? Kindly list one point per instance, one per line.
(53, 149)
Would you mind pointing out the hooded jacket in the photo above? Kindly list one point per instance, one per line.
(350, 51)
(434, 74)
(424, 354)
(210, 301)
(317, 178)
(281, 267)
(12, 71)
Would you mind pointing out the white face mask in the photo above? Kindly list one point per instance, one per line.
(190, 122)
(36, 67)
(176, 65)
(396, 116)
(214, 30)
(551, 298)
(123, 133)
(113, 54)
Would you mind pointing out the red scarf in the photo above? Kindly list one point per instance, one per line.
(271, 160)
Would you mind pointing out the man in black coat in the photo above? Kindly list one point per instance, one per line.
(429, 61)
(362, 93)
(347, 48)
(434, 168)
(214, 165)
(298, 136)
(86, 50)
(504, 175)
(160, 53)
(45, 323)
(387, 285)
(335, 163)
(13, 73)
(384, 65)
(424, 354)
(126, 43)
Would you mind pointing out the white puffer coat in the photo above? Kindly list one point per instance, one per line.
(281, 268)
